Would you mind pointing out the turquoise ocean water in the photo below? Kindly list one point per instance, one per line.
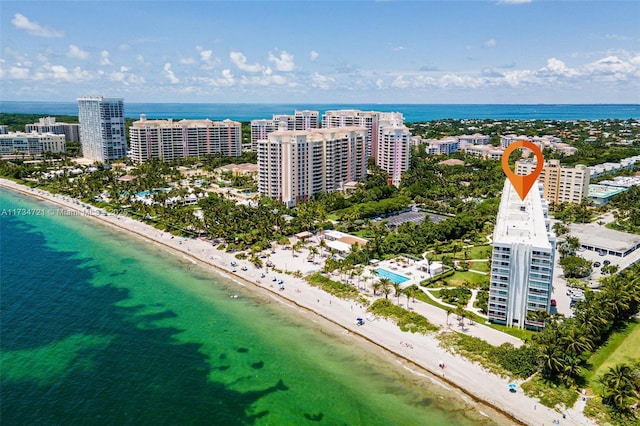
(411, 112)
(100, 328)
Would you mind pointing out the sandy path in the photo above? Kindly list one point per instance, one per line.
(419, 351)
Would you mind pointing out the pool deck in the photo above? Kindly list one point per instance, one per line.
(401, 266)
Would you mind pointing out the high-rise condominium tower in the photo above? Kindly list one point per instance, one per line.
(522, 261)
(102, 131)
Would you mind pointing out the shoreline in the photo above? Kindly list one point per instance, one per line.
(421, 352)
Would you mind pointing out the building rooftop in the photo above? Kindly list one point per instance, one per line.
(597, 235)
(521, 222)
(604, 191)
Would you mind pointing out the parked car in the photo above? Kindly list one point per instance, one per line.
(596, 264)
(606, 262)
(553, 302)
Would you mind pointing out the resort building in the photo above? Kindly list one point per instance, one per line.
(71, 131)
(31, 143)
(260, 129)
(305, 119)
(353, 117)
(522, 260)
(488, 152)
(294, 165)
(4, 129)
(444, 146)
(394, 150)
(300, 120)
(102, 128)
(475, 139)
(543, 142)
(169, 140)
(560, 183)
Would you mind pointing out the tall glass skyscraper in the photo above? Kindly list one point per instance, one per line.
(102, 128)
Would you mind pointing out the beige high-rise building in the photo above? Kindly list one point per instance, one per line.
(296, 164)
(169, 140)
(560, 183)
(394, 149)
(353, 117)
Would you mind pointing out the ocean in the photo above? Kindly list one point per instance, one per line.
(98, 327)
(412, 112)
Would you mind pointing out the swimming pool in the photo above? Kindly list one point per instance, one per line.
(396, 278)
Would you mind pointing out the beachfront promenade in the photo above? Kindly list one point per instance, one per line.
(417, 352)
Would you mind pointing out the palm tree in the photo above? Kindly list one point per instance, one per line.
(377, 285)
(575, 341)
(618, 385)
(398, 291)
(448, 313)
(385, 286)
(550, 359)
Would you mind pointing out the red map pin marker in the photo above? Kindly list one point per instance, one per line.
(522, 184)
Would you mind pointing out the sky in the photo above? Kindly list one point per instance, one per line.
(359, 51)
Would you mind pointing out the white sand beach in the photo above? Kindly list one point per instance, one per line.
(419, 352)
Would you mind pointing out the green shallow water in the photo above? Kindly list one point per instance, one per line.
(101, 328)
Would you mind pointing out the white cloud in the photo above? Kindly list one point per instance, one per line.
(559, 68)
(400, 83)
(490, 43)
(18, 73)
(125, 77)
(227, 78)
(321, 81)
(284, 62)
(240, 61)
(104, 58)
(22, 22)
(313, 55)
(514, 1)
(75, 52)
(379, 83)
(187, 61)
(169, 74)
(207, 58)
(611, 67)
(60, 72)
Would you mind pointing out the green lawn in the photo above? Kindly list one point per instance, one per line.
(622, 347)
(516, 332)
(476, 252)
(480, 266)
(460, 277)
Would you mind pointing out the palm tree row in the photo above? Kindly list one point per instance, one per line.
(565, 344)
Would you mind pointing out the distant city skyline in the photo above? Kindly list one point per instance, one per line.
(504, 51)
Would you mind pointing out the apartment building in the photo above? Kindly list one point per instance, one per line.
(31, 143)
(522, 260)
(71, 131)
(297, 164)
(260, 129)
(102, 128)
(475, 139)
(169, 140)
(444, 146)
(560, 183)
(305, 119)
(394, 150)
(353, 117)
(300, 120)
